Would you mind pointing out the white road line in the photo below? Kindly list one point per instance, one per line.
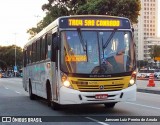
(6, 88)
(17, 92)
(143, 105)
(102, 123)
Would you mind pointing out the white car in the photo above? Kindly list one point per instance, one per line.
(145, 73)
(157, 73)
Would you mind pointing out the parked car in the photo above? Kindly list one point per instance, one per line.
(157, 73)
(3, 75)
(145, 73)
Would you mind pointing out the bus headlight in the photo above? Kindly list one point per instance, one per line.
(66, 84)
(132, 81)
(65, 81)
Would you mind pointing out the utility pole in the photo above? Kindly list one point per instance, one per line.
(15, 67)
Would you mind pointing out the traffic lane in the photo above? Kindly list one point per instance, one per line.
(142, 101)
(29, 107)
(32, 108)
(148, 99)
(13, 104)
(14, 84)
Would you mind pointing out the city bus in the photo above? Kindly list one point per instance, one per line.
(82, 59)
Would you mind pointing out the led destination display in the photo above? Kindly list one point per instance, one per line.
(94, 22)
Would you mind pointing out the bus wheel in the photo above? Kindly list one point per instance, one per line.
(31, 95)
(51, 104)
(110, 105)
(55, 106)
(49, 95)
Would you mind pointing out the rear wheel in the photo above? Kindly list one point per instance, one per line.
(49, 95)
(31, 95)
(110, 105)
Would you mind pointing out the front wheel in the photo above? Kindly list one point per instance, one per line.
(110, 105)
(55, 106)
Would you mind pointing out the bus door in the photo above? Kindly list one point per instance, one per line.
(55, 57)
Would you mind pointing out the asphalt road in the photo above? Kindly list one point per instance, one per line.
(14, 101)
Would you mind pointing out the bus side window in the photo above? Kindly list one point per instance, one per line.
(38, 50)
(48, 45)
(34, 51)
(24, 58)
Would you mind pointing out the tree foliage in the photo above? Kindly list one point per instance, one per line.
(57, 8)
(7, 56)
(124, 8)
(155, 52)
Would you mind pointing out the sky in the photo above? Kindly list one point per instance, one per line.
(17, 16)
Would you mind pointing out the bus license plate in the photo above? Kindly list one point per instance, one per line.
(101, 96)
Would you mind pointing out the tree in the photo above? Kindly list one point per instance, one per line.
(57, 8)
(7, 56)
(3, 65)
(155, 52)
(122, 8)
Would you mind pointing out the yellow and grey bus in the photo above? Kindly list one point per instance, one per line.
(82, 59)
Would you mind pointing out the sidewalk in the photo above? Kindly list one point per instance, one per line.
(142, 87)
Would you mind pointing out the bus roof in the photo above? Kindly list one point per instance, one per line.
(59, 21)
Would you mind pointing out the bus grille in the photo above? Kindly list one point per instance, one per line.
(84, 87)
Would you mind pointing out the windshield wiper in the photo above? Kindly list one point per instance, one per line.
(81, 39)
(109, 39)
(84, 44)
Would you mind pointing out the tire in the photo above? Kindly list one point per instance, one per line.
(53, 105)
(49, 95)
(110, 105)
(31, 95)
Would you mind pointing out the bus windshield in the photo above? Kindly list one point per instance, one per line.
(97, 52)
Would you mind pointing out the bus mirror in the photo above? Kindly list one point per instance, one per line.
(133, 30)
(56, 43)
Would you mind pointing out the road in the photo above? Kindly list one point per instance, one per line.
(14, 101)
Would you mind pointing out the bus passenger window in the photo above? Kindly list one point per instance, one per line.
(54, 47)
(48, 45)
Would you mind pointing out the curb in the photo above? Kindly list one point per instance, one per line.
(149, 91)
(147, 79)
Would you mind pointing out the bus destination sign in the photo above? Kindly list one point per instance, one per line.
(94, 22)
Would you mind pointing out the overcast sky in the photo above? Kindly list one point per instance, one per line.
(16, 16)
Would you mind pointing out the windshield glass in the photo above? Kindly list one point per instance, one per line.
(84, 52)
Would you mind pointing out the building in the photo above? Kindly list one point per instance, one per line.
(146, 27)
(148, 43)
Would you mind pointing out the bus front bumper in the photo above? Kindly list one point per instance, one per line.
(70, 96)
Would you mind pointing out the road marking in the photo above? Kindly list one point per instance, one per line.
(102, 123)
(17, 92)
(143, 105)
(6, 88)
